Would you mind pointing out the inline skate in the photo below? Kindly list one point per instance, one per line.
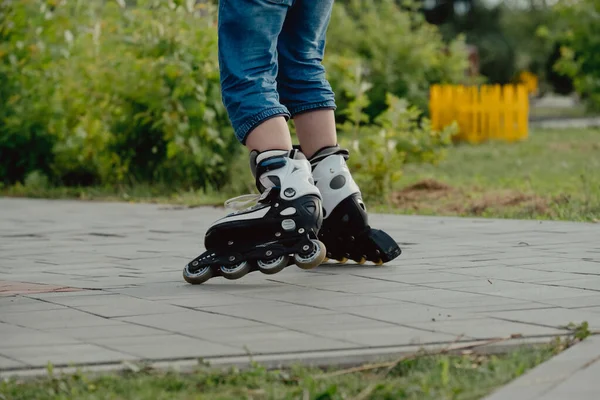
(279, 230)
(346, 232)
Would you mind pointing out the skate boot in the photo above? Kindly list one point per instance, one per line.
(346, 232)
(279, 230)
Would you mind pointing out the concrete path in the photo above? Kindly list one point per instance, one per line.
(573, 374)
(566, 123)
(100, 283)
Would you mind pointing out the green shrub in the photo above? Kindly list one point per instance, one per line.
(25, 144)
(104, 93)
(580, 56)
(482, 28)
(398, 136)
(520, 26)
(112, 94)
(402, 54)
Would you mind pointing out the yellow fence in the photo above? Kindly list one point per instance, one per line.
(482, 113)
(531, 82)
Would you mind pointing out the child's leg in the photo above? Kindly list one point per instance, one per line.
(302, 83)
(287, 216)
(248, 31)
(271, 134)
(310, 100)
(315, 130)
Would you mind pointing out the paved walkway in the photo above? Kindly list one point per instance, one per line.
(573, 374)
(566, 123)
(100, 283)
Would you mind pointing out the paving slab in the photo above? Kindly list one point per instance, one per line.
(573, 374)
(96, 283)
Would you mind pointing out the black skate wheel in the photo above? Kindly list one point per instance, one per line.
(197, 277)
(314, 258)
(236, 271)
(273, 266)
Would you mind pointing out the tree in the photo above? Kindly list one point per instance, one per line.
(482, 27)
(580, 54)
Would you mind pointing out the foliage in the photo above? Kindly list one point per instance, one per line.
(24, 144)
(579, 331)
(521, 26)
(510, 37)
(580, 55)
(103, 93)
(399, 51)
(559, 82)
(398, 136)
(119, 93)
(482, 28)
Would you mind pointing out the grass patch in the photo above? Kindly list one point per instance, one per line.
(422, 376)
(134, 194)
(36, 186)
(552, 175)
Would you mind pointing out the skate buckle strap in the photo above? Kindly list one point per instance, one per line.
(246, 200)
(242, 202)
(327, 151)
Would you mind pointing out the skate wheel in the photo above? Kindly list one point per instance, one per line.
(343, 260)
(361, 261)
(272, 266)
(236, 271)
(378, 262)
(326, 259)
(197, 277)
(314, 258)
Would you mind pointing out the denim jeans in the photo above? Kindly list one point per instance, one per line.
(270, 54)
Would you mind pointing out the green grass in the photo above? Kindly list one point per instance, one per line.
(134, 194)
(554, 174)
(439, 376)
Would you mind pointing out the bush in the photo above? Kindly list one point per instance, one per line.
(480, 24)
(580, 54)
(106, 94)
(24, 142)
(401, 53)
(521, 26)
(399, 135)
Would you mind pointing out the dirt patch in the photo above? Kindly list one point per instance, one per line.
(427, 185)
(438, 197)
(558, 146)
(509, 199)
(428, 189)
(569, 147)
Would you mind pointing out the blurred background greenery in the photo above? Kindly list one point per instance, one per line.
(113, 94)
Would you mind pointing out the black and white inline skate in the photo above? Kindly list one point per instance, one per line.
(346, 232)
(279, 230)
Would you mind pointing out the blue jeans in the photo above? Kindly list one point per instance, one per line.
(270, 54)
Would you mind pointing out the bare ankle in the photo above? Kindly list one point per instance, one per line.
(270, 135)
(316, 129)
